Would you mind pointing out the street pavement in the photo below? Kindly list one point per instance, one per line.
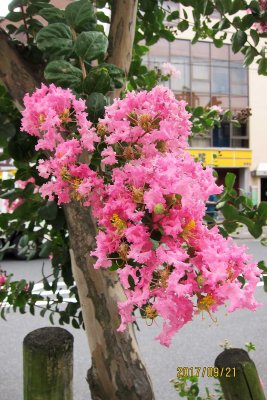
(196, 345)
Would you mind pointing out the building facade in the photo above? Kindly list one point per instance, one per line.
(213, 76)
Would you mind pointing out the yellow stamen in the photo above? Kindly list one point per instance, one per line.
(101, 129)
(200, 280)
(205, 302)
(138, 195)
(65, 174)
(188, 228)
(64, 116)
(164, 275)
(119, 223)
(123, 251)
(150, 312)
(41, 118)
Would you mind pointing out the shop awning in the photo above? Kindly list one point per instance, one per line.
(261, 170)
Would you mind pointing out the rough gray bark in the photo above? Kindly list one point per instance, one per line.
(117, 371)
(15, 73)
(121, 34)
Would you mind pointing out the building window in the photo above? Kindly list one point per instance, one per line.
(209, 76)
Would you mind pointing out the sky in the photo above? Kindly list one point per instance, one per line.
(3, 7)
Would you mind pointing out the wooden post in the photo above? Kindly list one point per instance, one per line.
(48, 364)
(240, 379)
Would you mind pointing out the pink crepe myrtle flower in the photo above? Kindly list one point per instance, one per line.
(3, 279)
(169, 70)
(148, 196)
(216, 108)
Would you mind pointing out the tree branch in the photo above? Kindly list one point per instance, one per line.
(15, 73)
(121, 35)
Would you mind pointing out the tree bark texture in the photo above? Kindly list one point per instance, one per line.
(17, 76)
(117, 372)
(121, 36)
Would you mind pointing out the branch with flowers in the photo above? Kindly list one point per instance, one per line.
(148, 196)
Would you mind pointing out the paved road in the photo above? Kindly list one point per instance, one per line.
(197, 344)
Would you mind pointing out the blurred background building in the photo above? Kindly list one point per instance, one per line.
(212, 76)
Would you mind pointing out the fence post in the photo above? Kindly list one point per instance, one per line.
(48, 364)
(240, 379)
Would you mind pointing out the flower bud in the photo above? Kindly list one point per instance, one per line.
(159, 209)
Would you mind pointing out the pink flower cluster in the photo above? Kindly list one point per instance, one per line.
(169, 70)
(3, 278)
(169, 263)
(64, 133)
(260, 27)
(16, 203)
(150, 209)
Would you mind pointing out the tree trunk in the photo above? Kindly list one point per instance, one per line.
(121, 36)
(117, 372)
(17, 76)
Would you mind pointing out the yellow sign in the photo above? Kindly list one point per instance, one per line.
(223, 158)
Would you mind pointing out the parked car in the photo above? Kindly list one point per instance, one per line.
(18, 246)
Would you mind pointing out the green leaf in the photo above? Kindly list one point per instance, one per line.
(237, 5)
(49, 211)
(80, 16)
(100, 3)
(116, 74)
(198, 112)
(16, 3)
(262, 209)
(64, 74)
(255, 36)
(45, 249)
(230, 227)
(23, 242)
(155, 244)
(254, 229)
(264, 241)
(43, 311)
(230, 212)
(172, 16)
(247, 21)
(238, 40)
(255, 6)
(167, 34)
(55, 40)
(7, 131)
(262, 265)
(262, 69)
(251, 53)
(98, 80)
(52, 14)
(75, 324)
(237, 22)
(102, 17)
(95, 106)
(183, 25)
(91, 45)
(230, 180)
(14, 16)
